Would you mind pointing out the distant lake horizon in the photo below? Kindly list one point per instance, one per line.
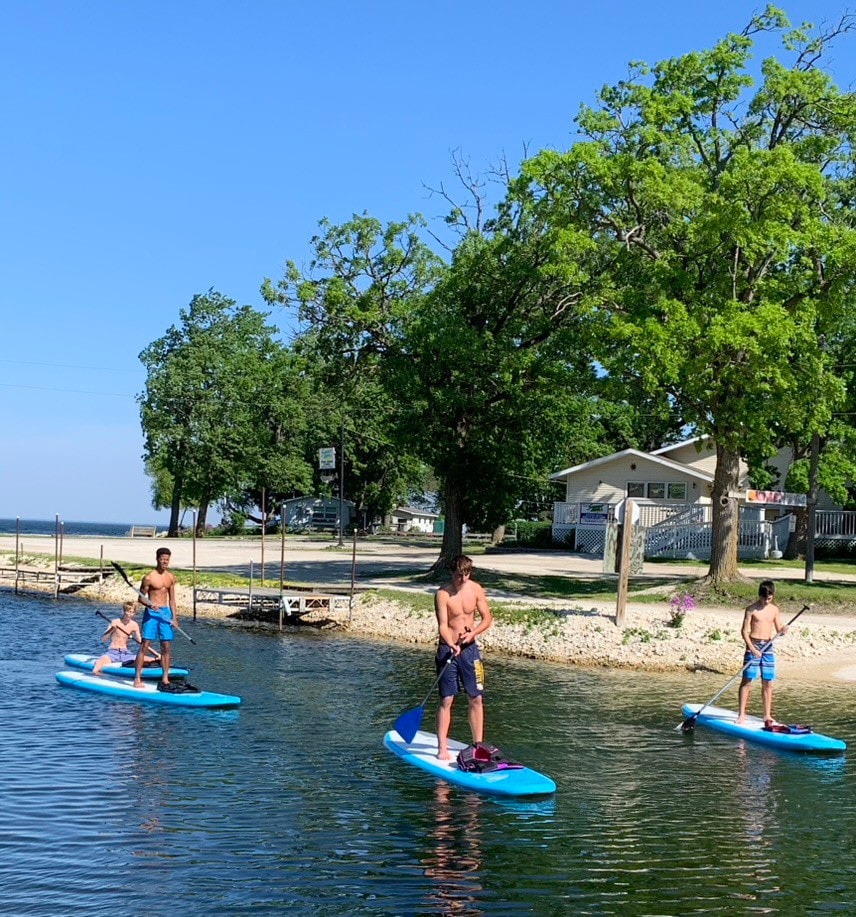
(9, 526)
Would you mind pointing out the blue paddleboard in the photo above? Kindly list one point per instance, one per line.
(422, 753)
(147, 694)
(752, 729)
(87, 663)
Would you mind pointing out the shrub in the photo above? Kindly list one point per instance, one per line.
(679, 604)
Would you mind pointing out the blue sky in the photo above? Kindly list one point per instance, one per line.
(153, 150)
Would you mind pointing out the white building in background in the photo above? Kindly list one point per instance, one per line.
(412, 519)
(672, 487)
(316, 514)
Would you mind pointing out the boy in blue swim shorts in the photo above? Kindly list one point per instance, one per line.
(157, 592)
(458, 660)
(762, 622)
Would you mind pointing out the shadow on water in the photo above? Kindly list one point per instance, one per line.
(291, 803)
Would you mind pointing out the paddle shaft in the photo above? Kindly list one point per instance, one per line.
(407, 725)
(437, 679)
(451, 658)
(147, 602)
(109, 621)
(731, 681)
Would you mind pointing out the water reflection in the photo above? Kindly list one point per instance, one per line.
(290, 805)
(454, 858)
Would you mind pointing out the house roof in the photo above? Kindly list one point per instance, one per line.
(634, 453)
(414, 511)
(685, 442)
(317, 501)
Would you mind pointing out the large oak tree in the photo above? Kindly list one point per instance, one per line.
(728, 212)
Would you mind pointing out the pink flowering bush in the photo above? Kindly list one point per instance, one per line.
(679, 604)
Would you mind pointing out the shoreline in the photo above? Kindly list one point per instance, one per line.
(818, 648)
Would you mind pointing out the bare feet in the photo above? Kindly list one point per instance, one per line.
(443, 755)
(138, 683)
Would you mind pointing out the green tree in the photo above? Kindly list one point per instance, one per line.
(495, 369)
(727, 218)
(352, 304)
(278, 462)
(204, 377)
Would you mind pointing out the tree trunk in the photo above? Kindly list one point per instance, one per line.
(453, 505)
(201, 520)
(175, 508)
(726, 515)
(797, 538)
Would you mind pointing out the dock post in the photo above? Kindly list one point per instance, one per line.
(194, 566)
(17, 549)
(56, 557)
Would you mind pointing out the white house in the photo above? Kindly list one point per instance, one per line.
(412, 519)
(672, 487)
(316, 514)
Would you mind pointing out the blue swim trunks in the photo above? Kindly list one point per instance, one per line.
(467, 671)
(157, 624)
(121, 655)
(765, 665)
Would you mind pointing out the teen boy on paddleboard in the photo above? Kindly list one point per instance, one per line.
(761, 622)
(120, 631)
(457, 605)
(158, 587)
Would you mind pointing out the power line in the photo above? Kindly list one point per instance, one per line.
(105, 369)
(65, 391)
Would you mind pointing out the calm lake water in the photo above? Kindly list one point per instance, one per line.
(49, 527)
(292, 805)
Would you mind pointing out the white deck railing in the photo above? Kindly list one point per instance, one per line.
(835, 524)
(650, 514)
(678, 529)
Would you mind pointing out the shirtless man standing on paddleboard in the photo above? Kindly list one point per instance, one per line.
(159, 617)
(456, 605)
(761, 622)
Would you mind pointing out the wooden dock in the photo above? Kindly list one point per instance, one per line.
(64, 580)
(269, 603)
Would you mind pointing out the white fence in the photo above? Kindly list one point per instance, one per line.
(681, 530)
(835, 524)
(650, 514)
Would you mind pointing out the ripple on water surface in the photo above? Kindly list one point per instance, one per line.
(291, 804)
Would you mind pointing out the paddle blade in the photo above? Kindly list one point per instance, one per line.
(688, 724)
(407, 725)
(122, 573)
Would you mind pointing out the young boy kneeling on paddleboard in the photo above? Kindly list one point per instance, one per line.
(761, 623)
(458, 660)
(120, 631)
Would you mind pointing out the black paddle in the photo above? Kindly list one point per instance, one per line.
(407, 725)
(689, 723)
(146, 601)
(109, 621)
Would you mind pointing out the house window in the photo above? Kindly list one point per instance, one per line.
(678, 491)
(656, 491)
(635, 489)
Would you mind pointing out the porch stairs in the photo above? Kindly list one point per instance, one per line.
(682, 533)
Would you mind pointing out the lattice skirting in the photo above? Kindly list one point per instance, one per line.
(590, 540)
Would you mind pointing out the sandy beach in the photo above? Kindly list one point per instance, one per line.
(817, 647)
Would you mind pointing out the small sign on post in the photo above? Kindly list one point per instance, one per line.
(327, 458)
